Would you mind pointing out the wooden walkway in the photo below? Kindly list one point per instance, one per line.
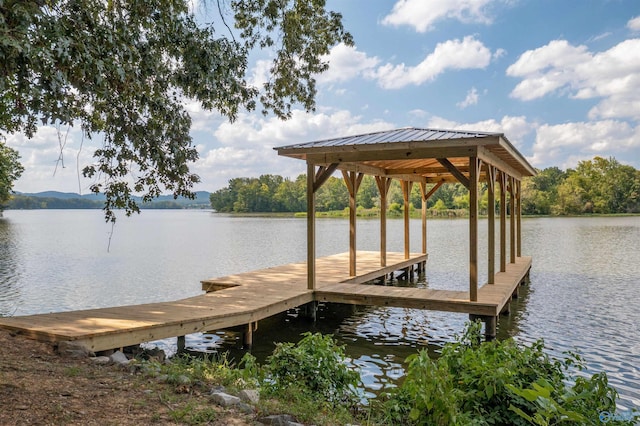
(249, 297)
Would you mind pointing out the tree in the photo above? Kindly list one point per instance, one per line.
(10, 171)
(122, 70)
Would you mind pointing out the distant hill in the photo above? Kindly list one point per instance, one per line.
(71, 200)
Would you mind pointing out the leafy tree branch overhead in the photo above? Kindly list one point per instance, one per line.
(123, 69)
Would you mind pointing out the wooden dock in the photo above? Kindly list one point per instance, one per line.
(246, 298)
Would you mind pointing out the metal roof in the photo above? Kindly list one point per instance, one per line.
(413, 153)
(407, 134)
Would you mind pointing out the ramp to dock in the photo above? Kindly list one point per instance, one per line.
(251, 296)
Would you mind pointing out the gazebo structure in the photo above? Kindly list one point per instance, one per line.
(430, 158)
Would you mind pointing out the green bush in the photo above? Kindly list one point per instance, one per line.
(315, 367)
(496, 383)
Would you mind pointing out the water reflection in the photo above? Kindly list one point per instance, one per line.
(10, 277)
(582, 294)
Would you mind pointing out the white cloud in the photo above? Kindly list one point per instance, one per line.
(49, 168)
(634, 24)
(421, 14)
(471, 99)
(247, 144)
(562, 68)
(565, 144)
(468, 53)
(345, 63)
(514, 128)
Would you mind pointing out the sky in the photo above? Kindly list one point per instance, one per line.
(560, 78)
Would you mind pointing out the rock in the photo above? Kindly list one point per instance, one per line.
(279, 420)
(182, 380)
(119, 358)
(249, 395)
(218, 389)
(245, 408)
(224, 399)
(73, 350)
(100, 360)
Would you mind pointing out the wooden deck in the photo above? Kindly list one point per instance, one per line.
(249, 297)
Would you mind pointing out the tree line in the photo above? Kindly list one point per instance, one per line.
(601, 186)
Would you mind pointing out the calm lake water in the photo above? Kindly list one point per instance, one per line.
(583, 294)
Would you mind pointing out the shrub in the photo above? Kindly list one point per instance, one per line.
(499, 382)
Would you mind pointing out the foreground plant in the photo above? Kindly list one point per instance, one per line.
(501, 383)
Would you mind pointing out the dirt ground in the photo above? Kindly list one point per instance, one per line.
(38, 386)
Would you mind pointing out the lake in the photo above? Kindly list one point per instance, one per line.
(583, 294)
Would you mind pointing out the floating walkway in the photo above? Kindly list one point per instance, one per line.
(246, 298)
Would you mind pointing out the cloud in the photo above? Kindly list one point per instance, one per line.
(421, 14)
(471, 99)
(46, 166)
(345, 63)
(565, 144)
(246, 146)
(562, 68)
(634, 24)
(515, 128)
(467, 53)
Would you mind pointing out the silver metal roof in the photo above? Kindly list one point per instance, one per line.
(408, 134)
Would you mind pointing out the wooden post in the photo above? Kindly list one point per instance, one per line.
(519, 218)
(503, 222)
(474, 165)
(512, 220)
(491, 230)
(383, 184)
(181, 344)
(352, 180)
(423, 193)
(248, 336)
(406, 189)
(311, 228)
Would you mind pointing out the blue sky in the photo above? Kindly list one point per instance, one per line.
(560, 78)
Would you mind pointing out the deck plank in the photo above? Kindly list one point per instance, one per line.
(251, 296)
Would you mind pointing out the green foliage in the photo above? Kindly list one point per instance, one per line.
(496, 383)
(314, 367)
(123, 70)
(10, 171)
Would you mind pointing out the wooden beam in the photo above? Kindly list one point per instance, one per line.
(457, 173)
(417, 153)
(512, 220)
(423, 193)
(491, 226)
(383, 184)
(311, 227)
(474, 166)
(324, 173)
(433, 190)
(406, 190)
(503, 222)
(489, 157)
(519, 219)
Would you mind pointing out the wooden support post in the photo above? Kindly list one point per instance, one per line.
(406, 190)
(352, 180)
(383, 184)
(490, 328)
(181, 344)
(474, 168)
(506, 309)
(512, 220)
(519, 219)
(423, 193)
(491, 230)
(503, 222)
(311, 227)
(248, 336)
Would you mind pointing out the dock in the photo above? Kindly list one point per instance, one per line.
(246, 298)
(427, 158)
